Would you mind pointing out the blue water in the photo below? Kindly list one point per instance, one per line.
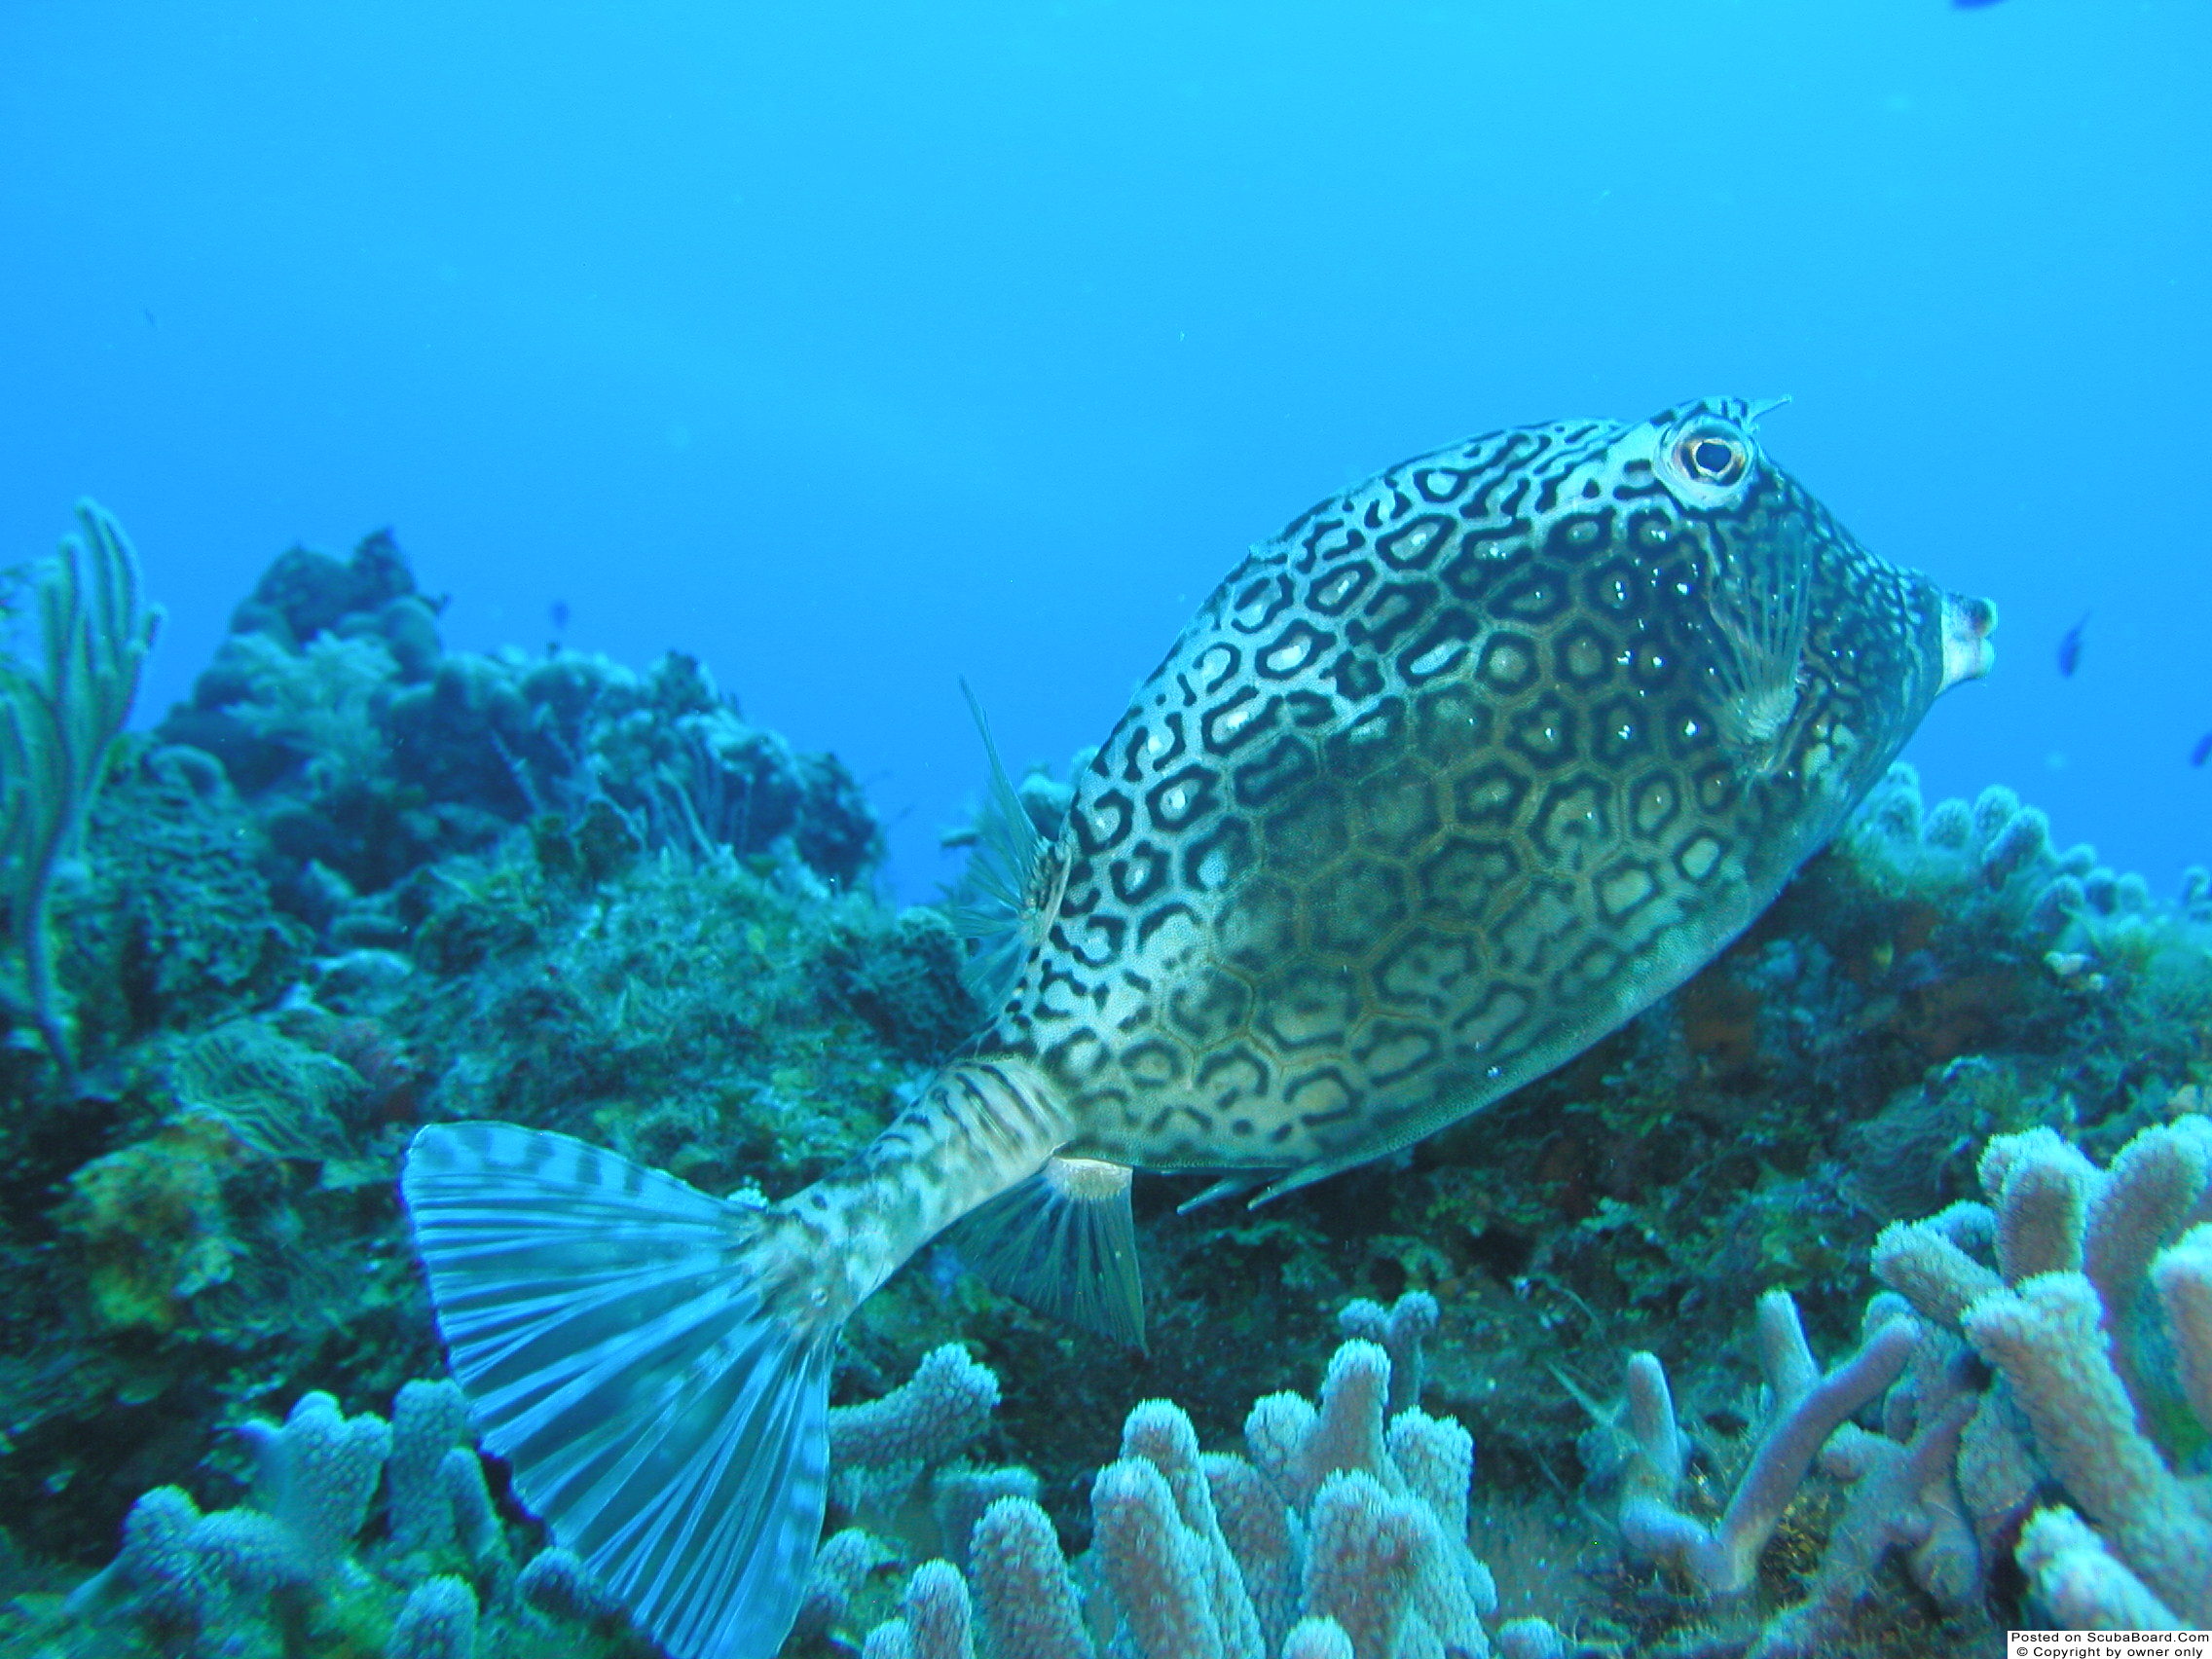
(857, 348)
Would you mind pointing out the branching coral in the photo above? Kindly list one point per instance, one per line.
(1995, 853)
(192, 1582)
(1993, 861)
(291, 1571)
(1900, 1480)
(2090, 1294)
(879, 1449)
(1342, 1534)
(2096, 1311)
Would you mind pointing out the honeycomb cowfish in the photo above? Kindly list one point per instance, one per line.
(1447, 781)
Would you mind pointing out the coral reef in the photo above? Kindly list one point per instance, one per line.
(296, 1567)
(284, 947)
(1934, 1115)
(367, 752)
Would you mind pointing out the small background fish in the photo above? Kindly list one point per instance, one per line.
(2070, 650)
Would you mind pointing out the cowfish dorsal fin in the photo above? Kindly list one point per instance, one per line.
(1064, 1242)
(1000, 886)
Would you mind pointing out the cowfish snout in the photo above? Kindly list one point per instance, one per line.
(1967, 624)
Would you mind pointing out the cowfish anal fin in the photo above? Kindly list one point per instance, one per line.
(1064, 1242)
(610, 1326)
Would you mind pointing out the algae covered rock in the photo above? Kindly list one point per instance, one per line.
(904, 980)
(150, 1225)
(175, 924)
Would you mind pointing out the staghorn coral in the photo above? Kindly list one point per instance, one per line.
(1807, 1408)
(438, 1622)
(428, 1420)
(2091, 1292)
(2088, 1292)
(1902, 1493)
(556, 1584)
(1995, 855)
(314, 1475)
(878, 1449)
(1342, 1534)
(934, 1621)
(298, 1569)
(234, 1580)
(1994, 866)
(1400, 1330)
(1031, 1606)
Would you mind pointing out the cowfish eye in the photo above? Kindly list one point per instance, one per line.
(1712, 459)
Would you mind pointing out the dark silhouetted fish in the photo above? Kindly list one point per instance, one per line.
(558, 612)
(2070, 648)
(1447, 781)
(2203, 752)
(1971, 5)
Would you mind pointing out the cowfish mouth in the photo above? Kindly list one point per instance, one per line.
(1967, 624)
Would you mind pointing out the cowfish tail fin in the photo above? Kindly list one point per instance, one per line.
(622, 1344)
(1064, 1242)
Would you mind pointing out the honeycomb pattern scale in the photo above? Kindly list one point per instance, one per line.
(1463, 768)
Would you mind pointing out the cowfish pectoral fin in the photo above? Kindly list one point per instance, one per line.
(1064, 1242)
(613, 1329)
